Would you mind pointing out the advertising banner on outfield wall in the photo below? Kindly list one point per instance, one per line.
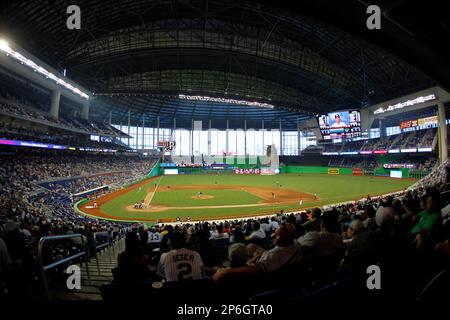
(333, 171)
(269, 171)
(247, 171)
(262, 171)
(357, 171)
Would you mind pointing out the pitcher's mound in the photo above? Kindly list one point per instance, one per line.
(202, 197)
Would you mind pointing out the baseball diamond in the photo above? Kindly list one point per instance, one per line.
(235, 195)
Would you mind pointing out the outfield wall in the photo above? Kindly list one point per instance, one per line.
(283, 169)
(312, 169)
(324, 170)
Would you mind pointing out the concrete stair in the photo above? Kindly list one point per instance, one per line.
(99, 273)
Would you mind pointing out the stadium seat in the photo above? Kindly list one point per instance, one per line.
(169, 292)
(120, 291)
(221, 246)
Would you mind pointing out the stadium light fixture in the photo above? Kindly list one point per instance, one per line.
(4, 47)
(404, 104)
(226, 100)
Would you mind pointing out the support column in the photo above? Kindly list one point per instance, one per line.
(245, 137)
(154, 136)
(382, 128)
(263, 145)
(174, 136)
(226, 136)
(298, 138)
(191, 140)
(157, 132)
(129, 119)
(85, 111)
(280, 152)
(143, 132)
(443, 146)
(209, 138)
(110, 115)
(54, 107)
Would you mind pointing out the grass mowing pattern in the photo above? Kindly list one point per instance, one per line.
(330, 189)
(179, 198)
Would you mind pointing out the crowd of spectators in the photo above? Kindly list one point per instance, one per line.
(421, 139)
(38, 166)
(407, 234)
(406, 140)
(23, 173)
(78, 185)
(12, 105)
(406, 231)
(28, 134)
(31, 209)
(23, 227)
(368, 163)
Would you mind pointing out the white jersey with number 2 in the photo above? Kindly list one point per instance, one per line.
(180, 264)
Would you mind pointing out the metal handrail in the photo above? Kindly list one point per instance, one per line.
(43, 268)
(60, 262)
(109, 244)
(85, 253)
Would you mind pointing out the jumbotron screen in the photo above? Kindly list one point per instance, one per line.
(340, 124)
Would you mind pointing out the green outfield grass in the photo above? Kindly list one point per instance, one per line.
(330, 189)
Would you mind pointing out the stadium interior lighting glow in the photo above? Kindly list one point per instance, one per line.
(4, 47)
(225, 100)
(407, 103)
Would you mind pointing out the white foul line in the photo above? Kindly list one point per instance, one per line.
(154, 191)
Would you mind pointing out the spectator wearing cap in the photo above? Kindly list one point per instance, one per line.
(384, 217)
(286, 251)
(355, 227)
(368, 246)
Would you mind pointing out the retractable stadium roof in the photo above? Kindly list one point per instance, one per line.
(138, 56)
